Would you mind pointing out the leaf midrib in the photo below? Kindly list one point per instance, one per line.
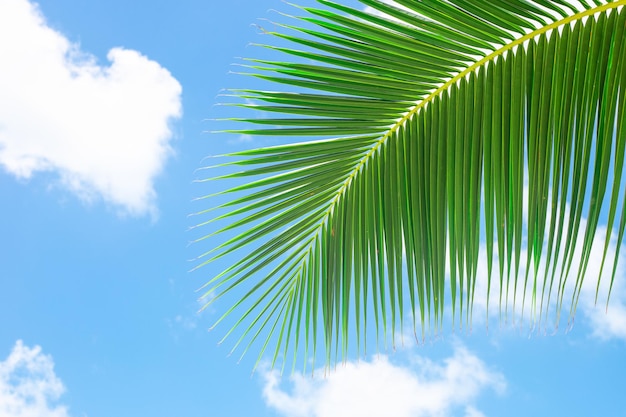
(418, 106)
(401, 122)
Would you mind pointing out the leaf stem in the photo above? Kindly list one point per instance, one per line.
(458, 77)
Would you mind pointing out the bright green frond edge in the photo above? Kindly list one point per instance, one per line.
(441, 113)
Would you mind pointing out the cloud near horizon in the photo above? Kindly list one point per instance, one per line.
(28, 385)
(103, 131)
(379, 387)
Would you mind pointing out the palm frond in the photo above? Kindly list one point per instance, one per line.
(437, 113)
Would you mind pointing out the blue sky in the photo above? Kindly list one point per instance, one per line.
(104, 107)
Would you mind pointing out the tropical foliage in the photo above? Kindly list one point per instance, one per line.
(431, 118)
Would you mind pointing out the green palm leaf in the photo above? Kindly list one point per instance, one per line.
(438, 112)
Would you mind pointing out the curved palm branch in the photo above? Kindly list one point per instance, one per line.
(438, 112)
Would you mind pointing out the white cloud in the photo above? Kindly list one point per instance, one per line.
(182, 322)
(28, 385)
(381, 388)
(241, 139)
(472, 412)
(104, 131)
(606, 324)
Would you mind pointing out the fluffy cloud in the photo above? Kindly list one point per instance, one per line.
(606, 323)
(103, 131)
(28, 384)
(379, 388)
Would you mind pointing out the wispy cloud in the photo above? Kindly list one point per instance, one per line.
(28, 385)
(104, 131)
(381, 388)
(241, 139)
